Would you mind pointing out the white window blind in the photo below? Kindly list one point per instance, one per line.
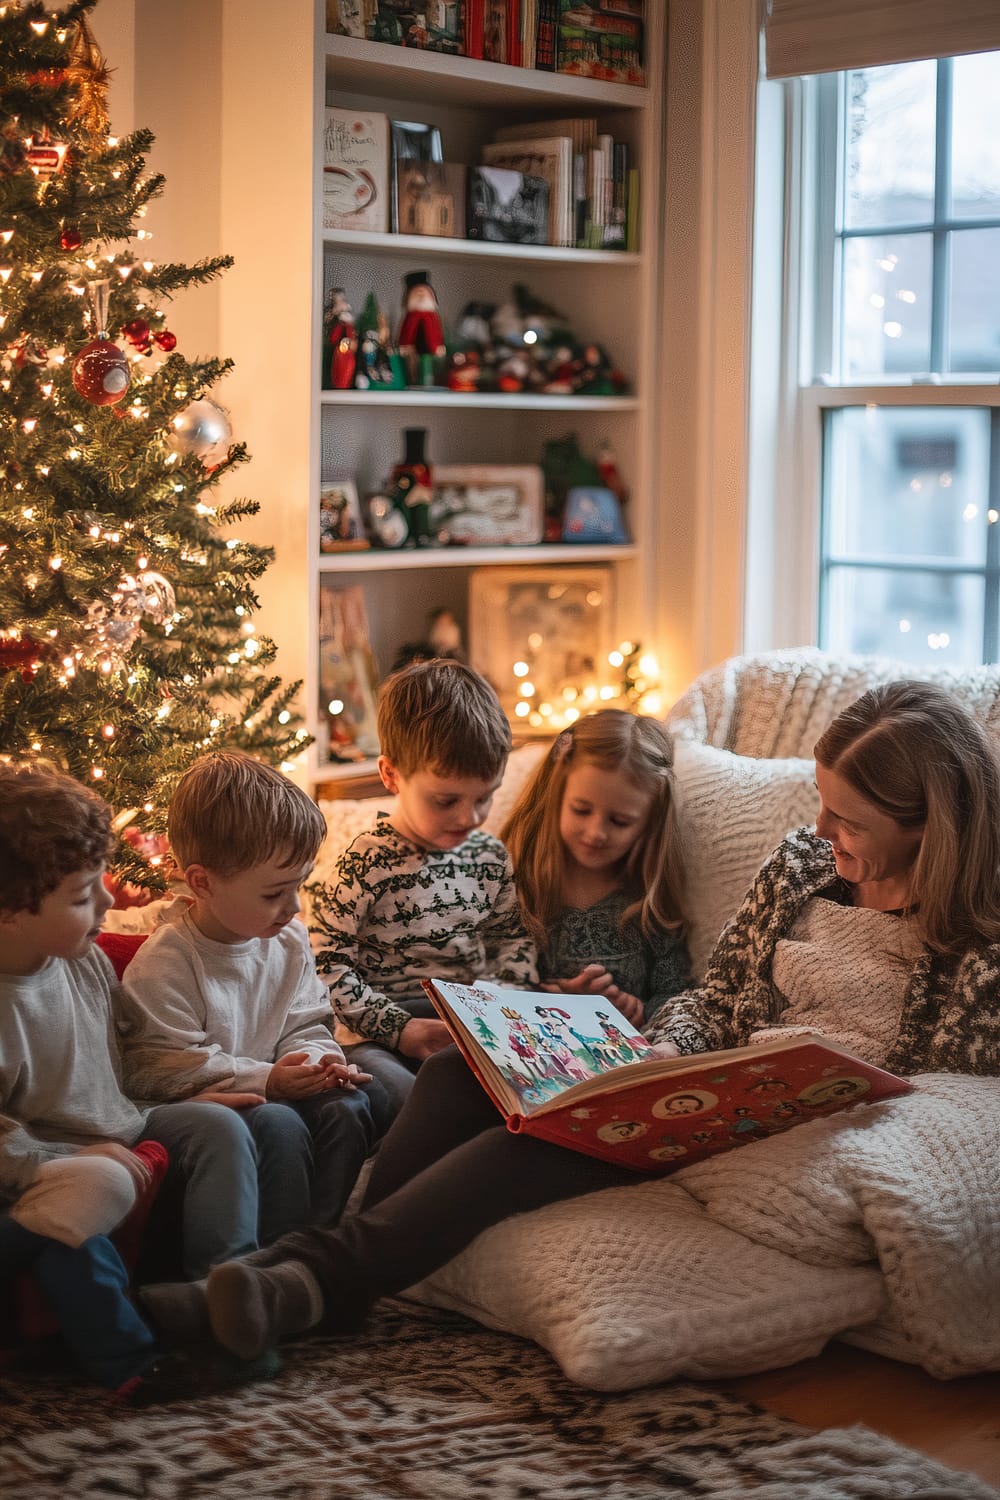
(826, 36)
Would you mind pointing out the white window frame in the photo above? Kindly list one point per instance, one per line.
(787, 403)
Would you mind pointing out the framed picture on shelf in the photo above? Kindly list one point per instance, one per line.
(341, 527)
(487, 505)
(430, 198)
(542, 636)
(347, 675)
(410, 140)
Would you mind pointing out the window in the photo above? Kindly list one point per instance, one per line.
(898, 402)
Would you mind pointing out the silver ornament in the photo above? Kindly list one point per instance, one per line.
(202, 429)
(111, 630)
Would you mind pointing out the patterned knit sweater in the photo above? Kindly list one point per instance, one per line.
(652, 969)
(950, 1021)
(395, 914)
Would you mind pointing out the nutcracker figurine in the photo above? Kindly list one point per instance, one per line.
(420, 331)
(341, 341)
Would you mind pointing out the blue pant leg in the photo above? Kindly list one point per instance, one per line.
(87, 1288)
(392, 1070)
(285, 1168)
(343, 1133)
(213, 1152)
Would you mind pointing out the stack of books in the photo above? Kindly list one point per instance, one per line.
(593, 193)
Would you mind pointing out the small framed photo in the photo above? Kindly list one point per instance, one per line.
(341, 527)
(430, 198)
(487, 505)
(541, 636)
(347, 675)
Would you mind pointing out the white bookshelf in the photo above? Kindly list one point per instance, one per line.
(609, 297)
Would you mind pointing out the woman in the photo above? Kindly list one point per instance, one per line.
(881, 928)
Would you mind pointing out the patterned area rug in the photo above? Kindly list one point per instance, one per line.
(426, 1406)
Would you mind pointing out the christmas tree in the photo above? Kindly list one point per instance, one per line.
(127, 642)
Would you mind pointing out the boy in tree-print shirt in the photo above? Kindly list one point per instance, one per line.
(426, 893)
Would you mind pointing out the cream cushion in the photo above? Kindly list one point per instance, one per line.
(638, 1284)
(733, 811)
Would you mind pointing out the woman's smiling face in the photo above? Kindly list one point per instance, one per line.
(868, 845)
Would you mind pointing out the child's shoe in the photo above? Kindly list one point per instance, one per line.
(252, 1308)
(189, 1375)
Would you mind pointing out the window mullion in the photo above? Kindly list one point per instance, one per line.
(941, 261)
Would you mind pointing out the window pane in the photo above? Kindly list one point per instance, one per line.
(907, 482)
(975, 300)
(886, 324)
(889, 168)
(919, 617)
(975, 151)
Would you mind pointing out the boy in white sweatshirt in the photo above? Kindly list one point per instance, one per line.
(224, 996)
(75, 1152)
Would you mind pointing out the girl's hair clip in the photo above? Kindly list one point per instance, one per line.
(561, 747)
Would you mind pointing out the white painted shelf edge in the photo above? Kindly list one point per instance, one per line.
(384, 559)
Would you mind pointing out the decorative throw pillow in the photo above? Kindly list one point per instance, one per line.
(733, 811)
(636, 1285)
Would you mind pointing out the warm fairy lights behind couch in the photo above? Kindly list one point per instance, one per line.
(633, 681)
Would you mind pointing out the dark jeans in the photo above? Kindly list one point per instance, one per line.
(87, 1289)
(447, 1170)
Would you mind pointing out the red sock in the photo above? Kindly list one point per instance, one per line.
(128, 1235)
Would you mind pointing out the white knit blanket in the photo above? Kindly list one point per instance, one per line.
(880, 1224)
(914, 1185)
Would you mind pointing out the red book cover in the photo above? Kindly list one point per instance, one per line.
(502, 31)
(571, 1070)
(474, 28)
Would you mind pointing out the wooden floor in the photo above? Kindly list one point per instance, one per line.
(955, 1421)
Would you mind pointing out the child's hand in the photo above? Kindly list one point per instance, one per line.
(229, 1097)
(630, 1006)
(665, 1049)
(346, 1076)
(594, 979)
(420, 1038)
(295, 1077)
(134, 1165)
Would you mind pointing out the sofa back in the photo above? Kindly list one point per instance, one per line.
(778, 703)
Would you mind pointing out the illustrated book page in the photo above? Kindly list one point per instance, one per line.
(571, 1070)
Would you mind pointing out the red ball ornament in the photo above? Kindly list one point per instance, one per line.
(165, 340)
(137, 332)
(20, 654)
(101, 373)
(71, 239)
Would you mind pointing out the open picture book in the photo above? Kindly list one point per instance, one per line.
(571, 1070)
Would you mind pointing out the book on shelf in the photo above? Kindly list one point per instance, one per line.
(632, 210)
(355, 170)
(508, 207)
(430, 198)
(582, 130)
(529, 30)
(603, 40)
(547, 35)
(571, 1070)
(502, 32)
(614, 228)
(435, 26)
(550, 157)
